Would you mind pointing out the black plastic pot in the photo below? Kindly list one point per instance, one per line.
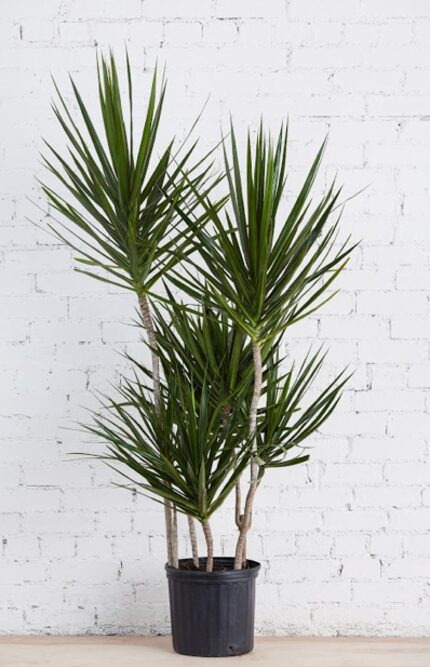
(212, 613)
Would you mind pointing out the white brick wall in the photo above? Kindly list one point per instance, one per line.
(344, 542)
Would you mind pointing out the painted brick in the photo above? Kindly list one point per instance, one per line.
(360, 567)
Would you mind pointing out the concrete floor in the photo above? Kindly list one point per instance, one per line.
(157, 652)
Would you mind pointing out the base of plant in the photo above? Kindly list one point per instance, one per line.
(188, 564)
(212, 613)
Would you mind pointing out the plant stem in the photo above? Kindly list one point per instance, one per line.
(246, 520)
(210, 546)
(175, 561)
(246, 524)
(153, 345)
(171, 530)
(169, 527)
(244, 551)
(258, 381)
(237, 489)
(193, 538)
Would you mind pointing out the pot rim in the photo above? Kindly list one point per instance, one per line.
(247, 573)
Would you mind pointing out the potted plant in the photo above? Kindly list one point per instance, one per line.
(219, 397)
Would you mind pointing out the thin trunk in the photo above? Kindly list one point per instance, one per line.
(153, 345)
(210, 546)
(258, 381)
(168, 524)
(240, 555)
(175, 561)
(244, 550)
(171, 531)
(245, 545)
(237, 486)
(246, 520)
(193, 538)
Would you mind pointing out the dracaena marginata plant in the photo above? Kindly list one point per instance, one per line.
(219, 397)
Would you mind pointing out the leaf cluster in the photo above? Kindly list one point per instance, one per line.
(263, 277)
(119, 199)
(206, 346)
(286, 421)
(189, 454)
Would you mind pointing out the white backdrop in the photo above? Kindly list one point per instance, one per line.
(344, 541)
